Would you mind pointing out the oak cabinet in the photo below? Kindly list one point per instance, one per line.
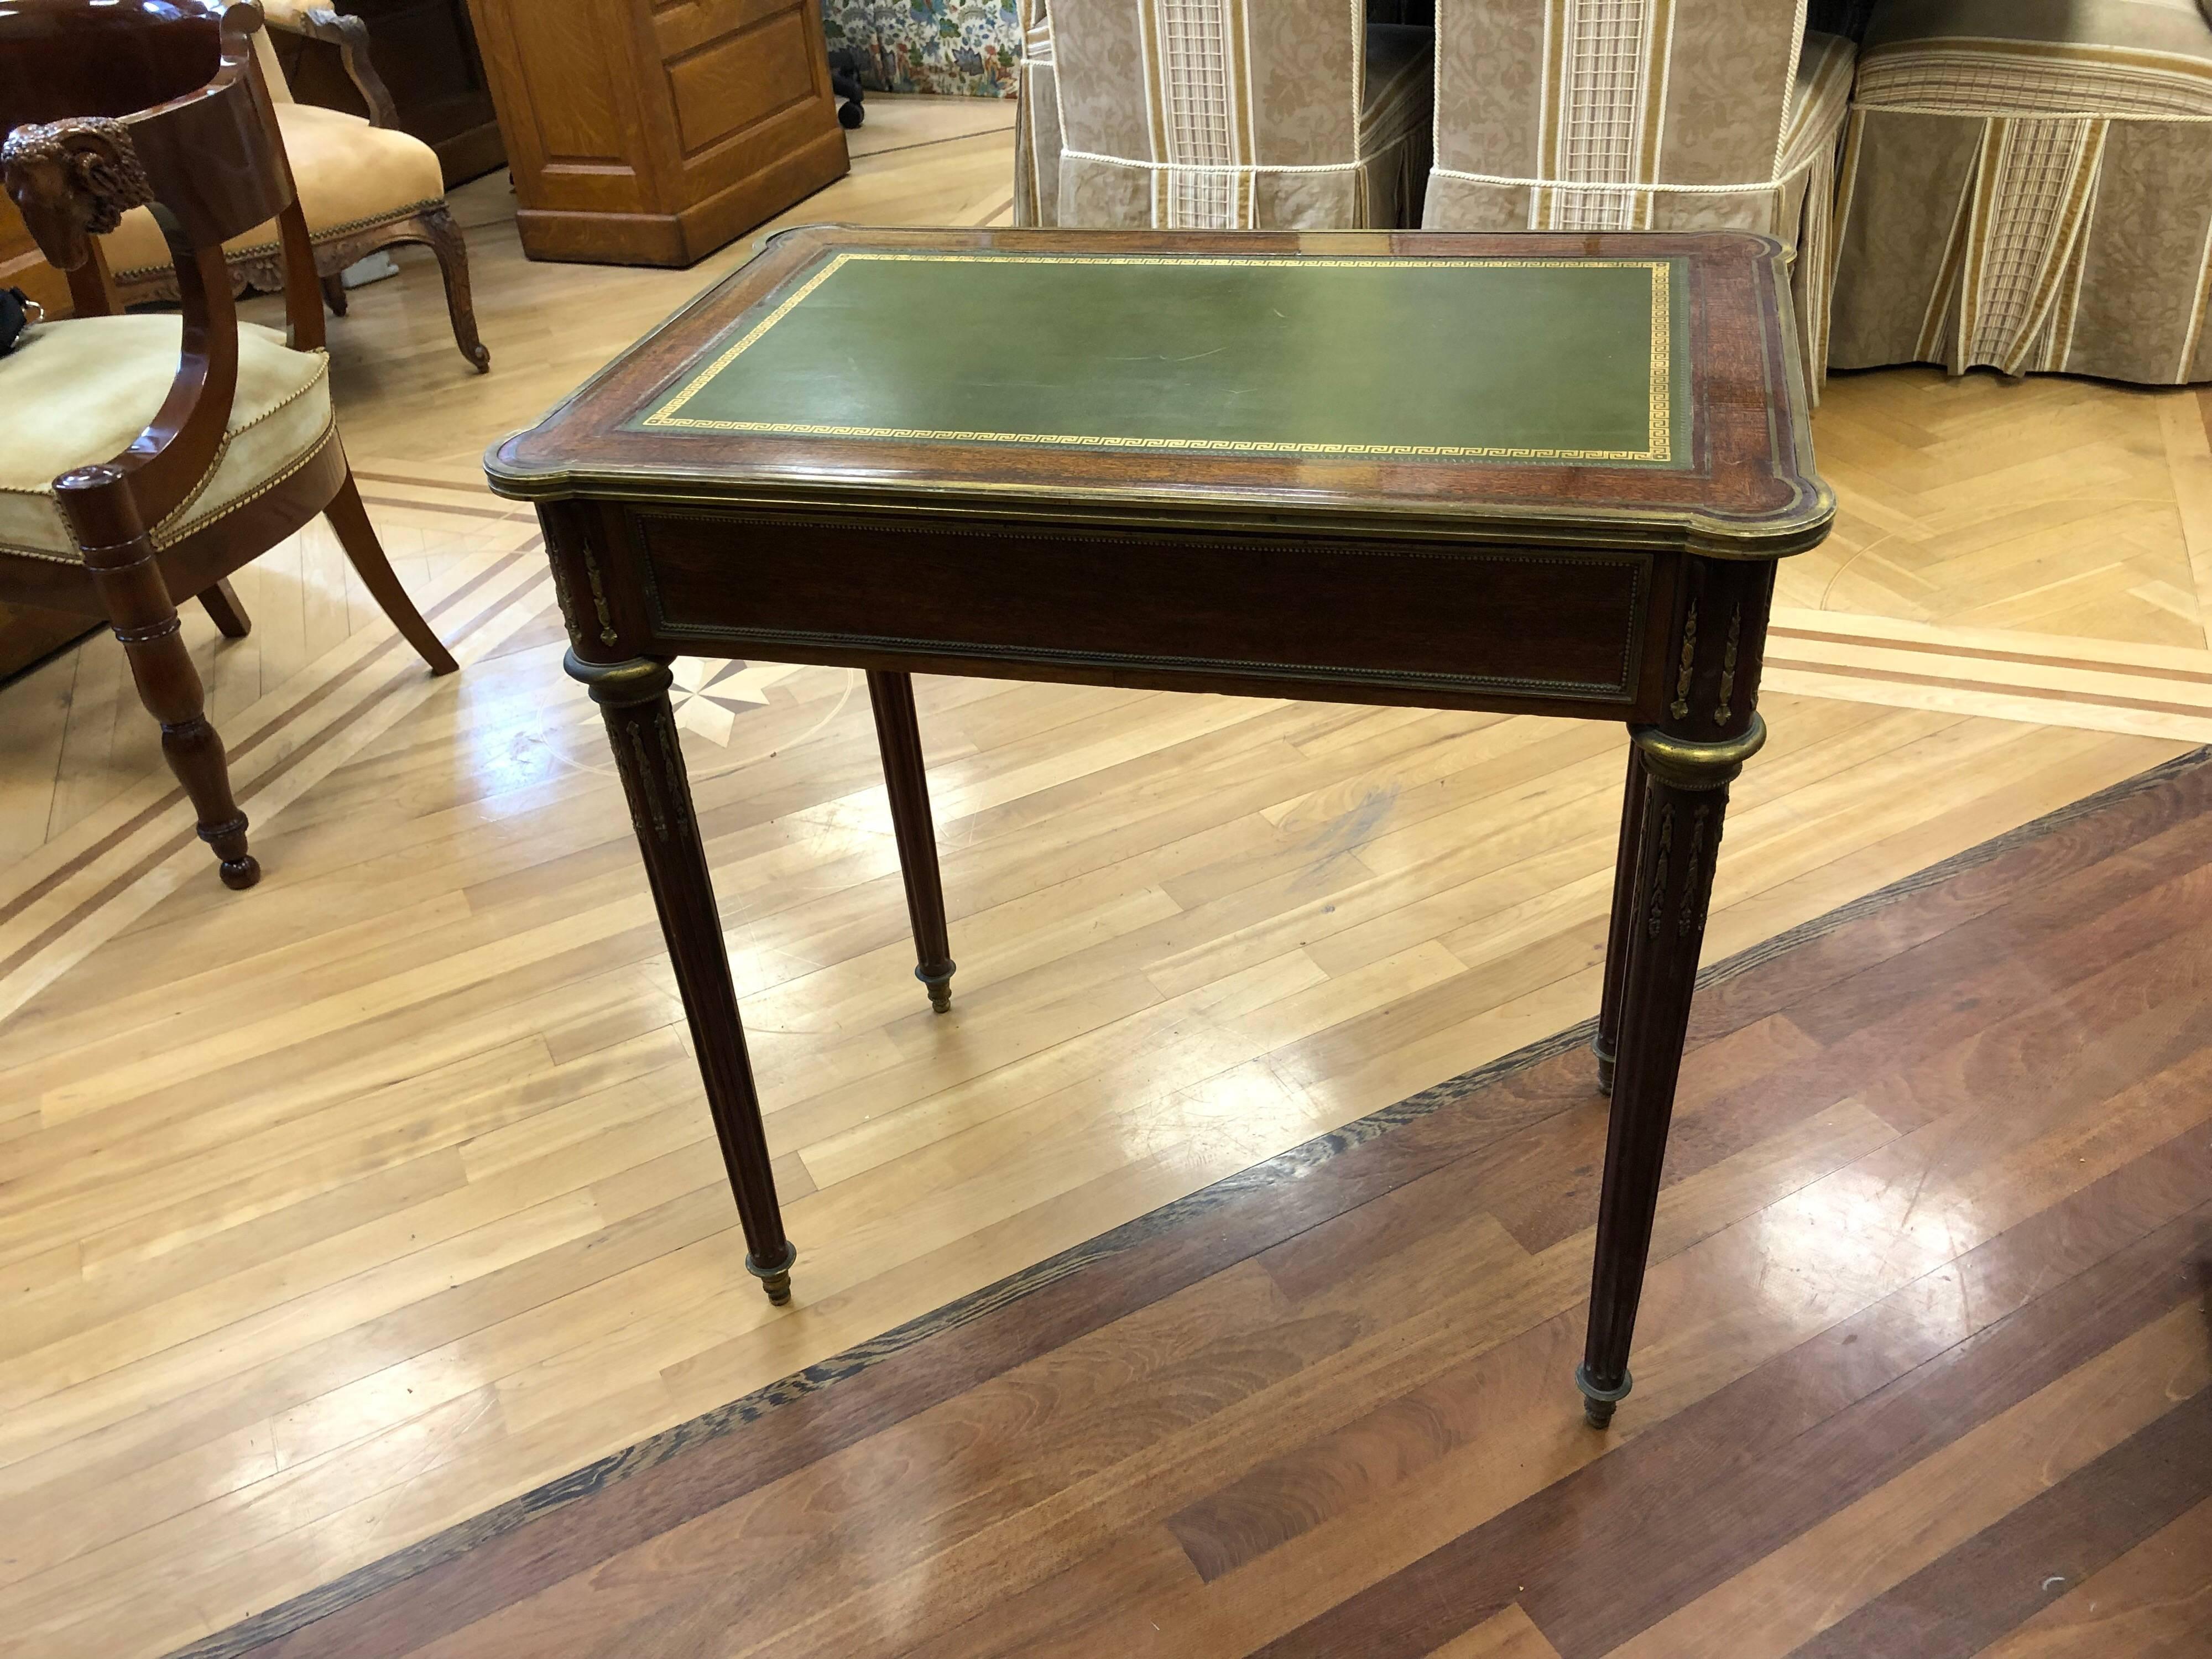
(653, 132)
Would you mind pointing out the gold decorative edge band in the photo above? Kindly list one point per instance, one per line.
(1659, 417)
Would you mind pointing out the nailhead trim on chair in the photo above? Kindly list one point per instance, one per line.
(265, 250)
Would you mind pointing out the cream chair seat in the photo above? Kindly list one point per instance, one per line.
(362, 184)
(351, 176)
(81, 391)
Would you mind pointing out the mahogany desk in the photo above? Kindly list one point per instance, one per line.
(1539, 473)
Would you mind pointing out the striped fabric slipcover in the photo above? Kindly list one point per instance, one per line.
(1643, 115)
(2027, 184)
(1036, 124)
(1220, 114)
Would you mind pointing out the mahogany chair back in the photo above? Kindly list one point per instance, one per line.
(108, 106)
(111, 104)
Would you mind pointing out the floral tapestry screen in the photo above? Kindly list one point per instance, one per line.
(970, 47)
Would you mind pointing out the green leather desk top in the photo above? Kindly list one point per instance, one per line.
(1613, 389)
(1496, 358)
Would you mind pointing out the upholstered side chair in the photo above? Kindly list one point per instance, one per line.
(1290, 115)
(1700, 115)
(148, 457)
(2028, 185)
(364, 186)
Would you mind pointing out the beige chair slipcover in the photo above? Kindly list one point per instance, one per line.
(1643, 115)
(1036, 123)
(1220, 114)
(2027, 184)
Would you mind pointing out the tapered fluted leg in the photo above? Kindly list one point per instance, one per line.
(1671, 838)
(1606, 1044)
(633, 697)
(1686, 799)
(906, 778)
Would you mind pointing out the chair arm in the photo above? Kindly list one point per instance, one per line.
(350, 36)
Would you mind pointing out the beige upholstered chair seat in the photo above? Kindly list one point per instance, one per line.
(2028, 185)
(352, 175)
(1293, 115)
(81, 391)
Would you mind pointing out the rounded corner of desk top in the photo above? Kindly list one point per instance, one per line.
(1649, 376)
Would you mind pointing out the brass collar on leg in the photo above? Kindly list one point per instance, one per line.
(1686, 764)
(638, 679)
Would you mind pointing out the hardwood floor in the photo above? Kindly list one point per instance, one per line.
(336, 1213)
(1926, 1371)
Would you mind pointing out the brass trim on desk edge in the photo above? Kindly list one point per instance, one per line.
(1703, 532)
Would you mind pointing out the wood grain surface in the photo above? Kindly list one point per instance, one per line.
(424, 1217)
(1928, 1357)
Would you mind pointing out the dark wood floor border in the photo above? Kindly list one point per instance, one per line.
(1275, 1200)
(1739, 1473)
(2010, 1571)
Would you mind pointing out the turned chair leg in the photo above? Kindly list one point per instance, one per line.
(444, 239)
(334, 294)
(119, 553)
(349, 519)
(220, 603)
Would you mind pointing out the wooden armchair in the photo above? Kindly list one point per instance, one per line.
(146, 458)
(363, 185)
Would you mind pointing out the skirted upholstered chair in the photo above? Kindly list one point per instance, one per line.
(1700, 115)
(2028, 184)
(1220, 114)
(1036, 123)
(364, 186)
(146, 458)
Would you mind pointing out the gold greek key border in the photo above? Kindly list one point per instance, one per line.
(1660, 417)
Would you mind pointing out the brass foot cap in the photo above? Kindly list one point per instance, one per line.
(776, 1279)
(938, 981)
(1598, 1403)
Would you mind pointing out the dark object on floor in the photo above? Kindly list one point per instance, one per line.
(845, 82)
(1219, 1343)
(16, 309)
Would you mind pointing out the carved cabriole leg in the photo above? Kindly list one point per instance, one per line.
(1606, 1044)
(905, 776)
(334, 294)
(633, 698)
(1687, 763)
(445, 240)
(119, 553)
